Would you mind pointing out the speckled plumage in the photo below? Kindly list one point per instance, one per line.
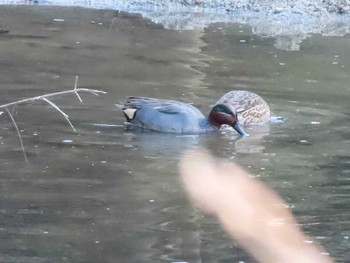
(250, 107)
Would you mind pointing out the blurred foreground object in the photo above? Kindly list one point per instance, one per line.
(254, 215)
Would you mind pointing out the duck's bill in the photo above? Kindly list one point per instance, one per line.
(239, 129)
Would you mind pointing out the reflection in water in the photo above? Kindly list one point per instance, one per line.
(157, 145)
(105, 194)
(289, 22)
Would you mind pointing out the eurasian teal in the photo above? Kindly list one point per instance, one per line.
(179, 117)
(250, 107)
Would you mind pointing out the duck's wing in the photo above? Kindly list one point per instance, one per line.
(160, 105)
(138, 102)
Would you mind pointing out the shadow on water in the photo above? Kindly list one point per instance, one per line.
(104, 194)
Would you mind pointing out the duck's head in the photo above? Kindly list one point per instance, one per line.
(225, 114)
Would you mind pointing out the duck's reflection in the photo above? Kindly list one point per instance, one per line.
(227, 140)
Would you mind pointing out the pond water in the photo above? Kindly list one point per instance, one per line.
(103, 194)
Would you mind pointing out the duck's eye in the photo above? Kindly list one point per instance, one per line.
(222, 108)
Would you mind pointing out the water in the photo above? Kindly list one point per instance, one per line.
(103, 194)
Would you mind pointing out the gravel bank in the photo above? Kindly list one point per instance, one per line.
(288, 21)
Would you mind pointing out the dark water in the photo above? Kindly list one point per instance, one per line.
(103, 194)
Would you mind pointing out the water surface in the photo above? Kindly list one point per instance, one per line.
(103, 194)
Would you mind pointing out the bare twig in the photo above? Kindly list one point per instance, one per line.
(19, 134)
(60, 111)
(76, 93)
(92, 91)
(76, 82)
(75, 88)
(13, 109)
(45, 97)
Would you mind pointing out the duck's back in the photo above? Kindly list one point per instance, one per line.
(164, 115)
(250, 107)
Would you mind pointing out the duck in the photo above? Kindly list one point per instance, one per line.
(170, 116)
(250, 107)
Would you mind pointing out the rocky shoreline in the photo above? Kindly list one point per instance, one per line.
(289, 22)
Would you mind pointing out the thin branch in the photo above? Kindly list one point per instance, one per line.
(13, 109)
(76, 82)
(92, 91)
(76, 93)
(60, 111)
(45, 97)
(75, 88)
(19, 135)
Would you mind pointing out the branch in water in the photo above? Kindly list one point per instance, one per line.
(19, 134)
(92, 91)
(60, 111)
(45, 97)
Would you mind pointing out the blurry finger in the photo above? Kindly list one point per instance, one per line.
(251, 212)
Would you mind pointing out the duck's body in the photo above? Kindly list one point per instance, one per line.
(250, 107)
(165, 116)
(234, 108)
